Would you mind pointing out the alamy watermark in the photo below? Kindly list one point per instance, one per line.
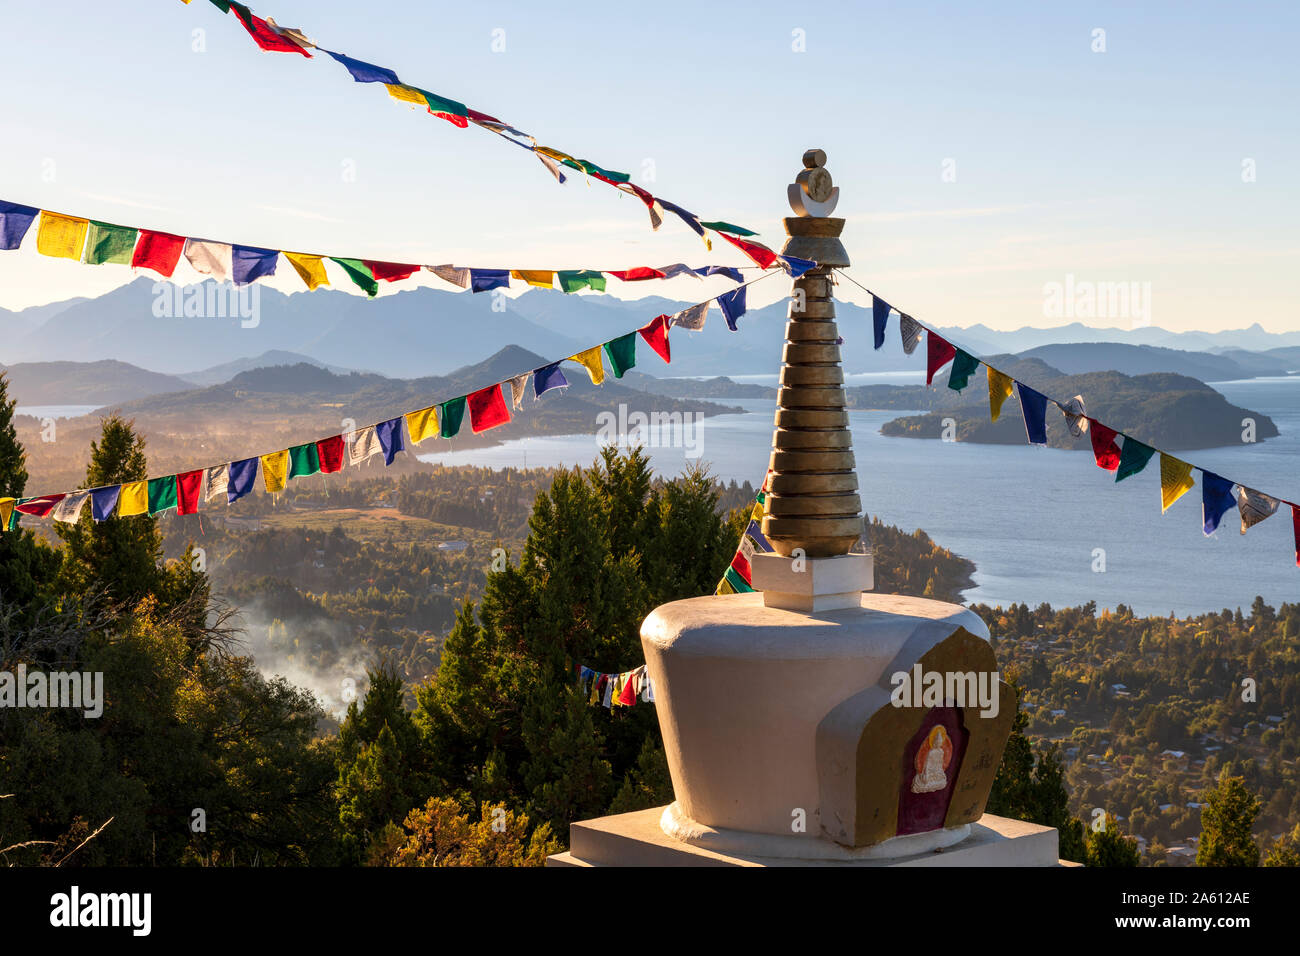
(209, 300)
(1086, 299)
(966, 689)
(72, 689)
(653, 430)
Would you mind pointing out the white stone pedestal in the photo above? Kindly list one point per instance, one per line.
(638, 839)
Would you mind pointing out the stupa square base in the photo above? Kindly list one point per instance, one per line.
(637, 839)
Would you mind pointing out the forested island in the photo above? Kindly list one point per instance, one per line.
(1160, 408)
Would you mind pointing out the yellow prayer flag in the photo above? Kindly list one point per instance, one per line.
(554, 153)
(423, 424)
(134, 499)
(61, 236)
(407, 94)
(310, 268)
(275, 470)
(759, 512)
(590, 360)
(6, 512)
(1000, 388)
(1175, 480)
(542, 278)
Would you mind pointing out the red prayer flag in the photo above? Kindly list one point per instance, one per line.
(628, 697)
(741, 564)
(637, 274)
(189, 489)
(656, 336)
(390, 271)
(1103, 445)
(330, 453)
(267, 38)
(1295, 521)
(455, 119)
(641, 194)
(159, 251)
(939, 352)
(39, 507)
(760, 253)
(487, 409)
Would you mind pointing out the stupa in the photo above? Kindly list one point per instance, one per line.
(812, 721)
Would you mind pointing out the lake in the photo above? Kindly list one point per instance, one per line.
(1031, 518)
(55, 411)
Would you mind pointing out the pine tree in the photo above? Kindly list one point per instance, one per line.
(1226, 824)
(13, 457)
(119, 556)
(566, 775)
(27, 567)
(648, 784)
(382, 771)
(1032, 787)
(1108, 846)
(502, 718)
(1285, 850)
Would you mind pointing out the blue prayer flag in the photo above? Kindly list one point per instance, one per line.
(1033, 405)
(731, 272)
(1216, 500)
(390, 438)
(365, 72)
(481, 280)
(242, 476)
(733, 306)
(547, 378)
(879, 318)
(796, 266)
(103, 501)
(15, 220)
(249, 263)
(689, 218)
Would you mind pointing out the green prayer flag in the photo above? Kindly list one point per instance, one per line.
(106, 243)
(733, 578)
(222, 5)
(1133, 458)
(622, 353)
(441, 105)
(162, 494)
(963, 367)
(728, 227)
(574, 280)
(589, 167)
(450, 415)
(359, 273)
(304, 460)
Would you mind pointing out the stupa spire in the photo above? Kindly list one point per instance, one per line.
(813, 503)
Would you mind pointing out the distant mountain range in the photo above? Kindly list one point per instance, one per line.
(425, 331)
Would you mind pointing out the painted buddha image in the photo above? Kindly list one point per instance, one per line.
(932, 759)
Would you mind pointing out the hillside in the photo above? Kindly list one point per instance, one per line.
(1079, 357)
(268, 408)
(86, 383)
(1172, 411)
(225, 371)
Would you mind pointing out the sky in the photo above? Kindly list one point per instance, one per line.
(983, 152)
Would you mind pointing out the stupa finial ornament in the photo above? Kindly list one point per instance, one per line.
(812, 193)
(813, 505)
